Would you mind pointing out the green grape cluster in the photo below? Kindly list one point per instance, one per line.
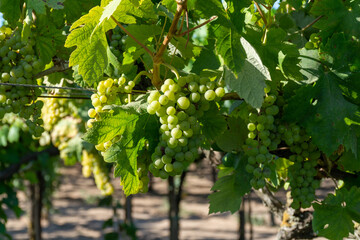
(116, 43)
(262, 138)
(303, 172)
(142, 171)
(92, 163)
(110, 91)
(178, 106)
(54, 110)
(314, 42)
(18, 65)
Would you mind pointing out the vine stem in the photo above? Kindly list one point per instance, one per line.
(56, 68)
(132, 36)
(261, 13)
(172, 69)
(142, 73)
(157, 59)
(198, 26)
(310, 24)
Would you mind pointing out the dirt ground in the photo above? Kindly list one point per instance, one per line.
(76, 216)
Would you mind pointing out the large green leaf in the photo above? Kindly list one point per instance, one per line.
(226, 30)
(125, 10)
(37, 6)
(322, 109)
(213, 122)
(228, 46)
(48, 40)
(334, 218)
(11, 10)
(73, 10)
(90, 54)
(275, 52)
(250, 82)
(337, 16)
(136, 128)
(234, 136)
(230, 189)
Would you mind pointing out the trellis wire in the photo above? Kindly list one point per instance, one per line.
(42, 86)
(68, 96)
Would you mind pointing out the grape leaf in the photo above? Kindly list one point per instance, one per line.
(234, 8)
(136, 128)
(228, 46)
(90, 54)
(48, 40)
(73, 10)
(337, 17)
(125, 10)
(206, 60)
(111, 125)
(10, 10)
(350, 160)
(250, 82)
(37, 6)
(230, 189)
(345, 205)
(213, 123)
(234, 136)
(309, 63)
(322, 109)
(269, 51)
(55, 4)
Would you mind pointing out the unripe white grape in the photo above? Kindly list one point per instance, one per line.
(155, 105)
(220, 92)
(164, 88)
(151, 110)
(109, 82)
(176, 133)
(169, 81)
(103, 99)
(171, 110)
(131, 84)
(210, 95)
(170, 95)
(163, 100)
(183, 103)
(182, 81)
(92, 113)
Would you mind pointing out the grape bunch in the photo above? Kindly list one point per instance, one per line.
(54, 110)
(18, 65)
(303, 172)
(117, 40)
(179, 105)
(314, 42)
(142, 171)
(262, 138)
(92, 163)
(110, 91)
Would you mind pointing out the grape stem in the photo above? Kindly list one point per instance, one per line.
(157, 59)
(172, 69)
(310, 24)
(261, 13)
(213, 18)
(142, 73)
(60, 66)
(132, 36)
